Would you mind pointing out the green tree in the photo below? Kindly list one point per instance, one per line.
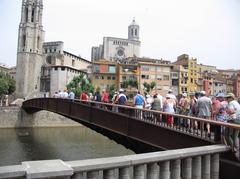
(7, 84)
(80, 84)
(149, 87)
(111, 91)
(131, 82)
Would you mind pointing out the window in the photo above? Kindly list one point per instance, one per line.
(165, 69)
(96, 77)
(38, 42)
(109, 77)
(159, 77)
(145, 68)
(73, 63)
(113, 78)
(112, 69)
(62, 68)
(145, 76)
(56, 68)
(32, 18)
(165, 77)
(136, 32)
(96, 68)
(26, 15)
(102, 77)
(24, 40)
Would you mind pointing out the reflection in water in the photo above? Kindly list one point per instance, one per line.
(70, 143)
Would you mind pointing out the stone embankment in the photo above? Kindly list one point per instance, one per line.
(15, 117)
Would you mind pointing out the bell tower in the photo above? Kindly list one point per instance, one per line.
(29, 50)
(133, 31)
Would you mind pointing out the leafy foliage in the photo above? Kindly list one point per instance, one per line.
(111, 91)
(131, 82)
(149, 87)
(80, 84)
(7, 84)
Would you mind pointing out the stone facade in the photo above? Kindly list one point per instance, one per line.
(114, 48)
(29, 51)
(14, 117)
(42, 67)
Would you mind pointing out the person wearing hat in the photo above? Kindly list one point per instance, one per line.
(184, 106)
(233, 110)
(204, 109)
(122, 98)
(169, 107)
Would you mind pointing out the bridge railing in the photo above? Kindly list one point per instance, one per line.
(189, 125)
(197, 162)
(186, 124)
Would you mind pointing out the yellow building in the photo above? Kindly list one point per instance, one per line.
(205, 78)
(188, 73)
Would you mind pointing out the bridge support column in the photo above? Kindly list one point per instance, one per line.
(215, 166)
(206, 166)
(77, 176)
(93, 175)
(176, 169)
(139, 172)
(196, 170)
(153, 171)
(109, 174)
(165, 170)
(124, 173)
(187, 168)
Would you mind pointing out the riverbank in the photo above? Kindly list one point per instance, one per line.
(15, 117)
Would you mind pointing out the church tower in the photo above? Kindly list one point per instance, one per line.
(133, 31)
(29, 50)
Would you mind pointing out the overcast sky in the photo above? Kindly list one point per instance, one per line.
(208, 30)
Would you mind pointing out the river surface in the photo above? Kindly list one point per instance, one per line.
(67, 143)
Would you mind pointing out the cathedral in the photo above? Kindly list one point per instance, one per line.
(42, 67)
(117, 49)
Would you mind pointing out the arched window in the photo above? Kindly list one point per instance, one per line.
(26, 15)
(132, 32)
(32, 18)
(38, 42)
(135, 32)
(24, 41)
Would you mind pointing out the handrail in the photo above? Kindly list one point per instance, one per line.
(192, 162)
(196, 126)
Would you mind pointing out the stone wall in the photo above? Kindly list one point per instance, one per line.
(15, 117)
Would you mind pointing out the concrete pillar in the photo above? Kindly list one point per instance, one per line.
(215, 166)
(153, 171)
(109, 174)
(196, 167)
(139, 172)
(206, 166)
(187, 168)
(77, 176)
(93, 175)
(164, 170)
(124, 173)
(176, 169)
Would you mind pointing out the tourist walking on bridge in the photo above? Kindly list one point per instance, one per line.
(233, 110)
(139, 102)
(204, 109)
(169, 107)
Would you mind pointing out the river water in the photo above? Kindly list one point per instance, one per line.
(66, 143)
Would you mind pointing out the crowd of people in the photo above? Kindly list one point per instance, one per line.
(222, 107)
